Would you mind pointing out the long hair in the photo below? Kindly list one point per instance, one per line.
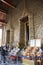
(42, 46)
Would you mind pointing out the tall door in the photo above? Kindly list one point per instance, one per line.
(8, 36)
(24, 32)
(22, 35)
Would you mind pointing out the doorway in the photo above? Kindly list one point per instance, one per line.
(24, 32)
(27, 34)
(8, 36)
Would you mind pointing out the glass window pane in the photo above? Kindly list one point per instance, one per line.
(38, 42)
(32, 43)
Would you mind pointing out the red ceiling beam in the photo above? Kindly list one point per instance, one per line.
(3, 21)
(3, 12)
(7, 3)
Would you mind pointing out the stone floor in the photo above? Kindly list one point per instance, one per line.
(9, 62)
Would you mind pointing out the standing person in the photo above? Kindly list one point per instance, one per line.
(6, 49)
(3, 53)
(42, 54)
(42, 58)
(41, 51)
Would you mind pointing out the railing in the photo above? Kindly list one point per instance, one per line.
(29, 60)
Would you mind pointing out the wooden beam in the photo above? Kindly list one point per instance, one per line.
(3, 12)
(3, 21)
(7, 3)
(1, 24)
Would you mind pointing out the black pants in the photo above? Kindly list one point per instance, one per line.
(4, 58)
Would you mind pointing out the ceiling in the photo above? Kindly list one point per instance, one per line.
(6, 4)
(3, 7)
(13, 2)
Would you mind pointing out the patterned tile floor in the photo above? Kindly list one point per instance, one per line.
(9, 62)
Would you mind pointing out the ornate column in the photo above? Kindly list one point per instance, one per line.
(3, 35)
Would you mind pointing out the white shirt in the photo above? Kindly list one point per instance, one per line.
(40, 51)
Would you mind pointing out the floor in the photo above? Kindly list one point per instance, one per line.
(9, 62)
